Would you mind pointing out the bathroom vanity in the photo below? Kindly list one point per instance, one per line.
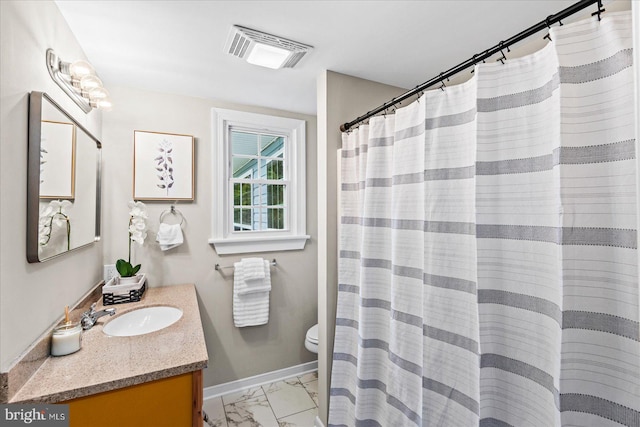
(151, 379)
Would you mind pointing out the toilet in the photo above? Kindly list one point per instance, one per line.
(311, 340)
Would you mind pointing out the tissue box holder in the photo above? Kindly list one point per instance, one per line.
(114, 293)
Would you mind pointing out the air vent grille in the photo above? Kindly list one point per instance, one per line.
(240, 40)
(239, 45)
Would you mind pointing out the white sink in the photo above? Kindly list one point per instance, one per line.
(142, 321)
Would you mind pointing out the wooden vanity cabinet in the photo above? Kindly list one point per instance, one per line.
(171, 402)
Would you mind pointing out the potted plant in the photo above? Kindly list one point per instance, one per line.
(137, 233)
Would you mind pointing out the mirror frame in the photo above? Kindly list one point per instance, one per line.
(33, 175)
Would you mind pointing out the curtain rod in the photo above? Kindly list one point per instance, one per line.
(500, 47)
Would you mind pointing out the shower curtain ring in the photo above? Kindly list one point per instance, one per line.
(442, 85)
(599, 11)
(473, 67)
(504, 58)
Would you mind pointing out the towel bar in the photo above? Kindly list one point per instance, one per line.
(219, 267)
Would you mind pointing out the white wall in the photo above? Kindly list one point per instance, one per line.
(233, 353)
(33, 296)
(341, 98)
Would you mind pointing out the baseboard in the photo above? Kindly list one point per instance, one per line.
(258, 380)
(317, 422)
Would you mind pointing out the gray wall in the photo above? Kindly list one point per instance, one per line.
(341, 98)
(33, 296)
(233, 353)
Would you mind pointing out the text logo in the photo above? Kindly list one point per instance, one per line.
(34, 415)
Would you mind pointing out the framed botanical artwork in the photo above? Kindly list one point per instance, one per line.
(57, 160)
(163, 166)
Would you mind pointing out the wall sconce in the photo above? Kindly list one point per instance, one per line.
(78, 80)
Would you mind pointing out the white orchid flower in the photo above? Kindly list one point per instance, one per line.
(137, 221)
(58, 221)
(138, 237)
(137, 209)
(46, 212)
(64, 205)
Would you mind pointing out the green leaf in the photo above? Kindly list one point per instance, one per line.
(123, 267)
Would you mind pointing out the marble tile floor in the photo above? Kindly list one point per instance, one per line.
(292, 402)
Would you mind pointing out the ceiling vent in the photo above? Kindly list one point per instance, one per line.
(264, 49)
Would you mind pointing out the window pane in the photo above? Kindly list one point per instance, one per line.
(246, 199)
(272, 169)
(271, 145)
(275, 219)
(247, 218)
(243, 143)
(242, 194)
(244, 167)
(275, 195)
(242, 219)
(237, 195)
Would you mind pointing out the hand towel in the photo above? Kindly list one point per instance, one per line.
(256, 286)
(253, 268)
(169, 236)
(250, 304)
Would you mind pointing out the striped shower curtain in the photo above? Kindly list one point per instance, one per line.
(488, 265)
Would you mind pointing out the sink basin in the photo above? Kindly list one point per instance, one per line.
(142, 321)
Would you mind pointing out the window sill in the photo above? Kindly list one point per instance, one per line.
(259, 244)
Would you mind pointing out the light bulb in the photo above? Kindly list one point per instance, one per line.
(98, 93)
(78, 69)
(103, 104)
(90, 82)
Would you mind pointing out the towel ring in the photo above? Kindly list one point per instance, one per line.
(172, 211)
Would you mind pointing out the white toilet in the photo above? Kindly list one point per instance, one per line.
(311, 340)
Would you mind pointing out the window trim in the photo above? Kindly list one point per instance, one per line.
(223, 239)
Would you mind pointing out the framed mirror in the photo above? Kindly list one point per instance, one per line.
(63, 183)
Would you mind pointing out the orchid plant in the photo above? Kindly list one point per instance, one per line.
(137, 233)
(53, 215)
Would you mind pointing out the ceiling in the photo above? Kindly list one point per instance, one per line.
(177, 46)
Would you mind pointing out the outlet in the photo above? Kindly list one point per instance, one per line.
(109, 272)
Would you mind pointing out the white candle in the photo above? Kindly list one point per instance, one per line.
(66, 339)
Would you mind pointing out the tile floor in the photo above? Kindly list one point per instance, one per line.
(292, 402)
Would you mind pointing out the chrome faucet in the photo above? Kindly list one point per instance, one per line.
(89, 318)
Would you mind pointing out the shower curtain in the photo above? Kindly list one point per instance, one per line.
(488, 265)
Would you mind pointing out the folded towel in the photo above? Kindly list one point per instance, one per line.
(253, 268)
(250, 304)
(246, 286)
(169, 236)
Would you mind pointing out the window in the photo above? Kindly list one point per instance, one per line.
(258, 180)
(259, 190)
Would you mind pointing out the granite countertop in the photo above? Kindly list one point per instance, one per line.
(107, 363)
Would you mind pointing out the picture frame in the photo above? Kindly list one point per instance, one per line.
(163, 166)
(57, 160)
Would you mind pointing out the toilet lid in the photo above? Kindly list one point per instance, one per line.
(312, 334)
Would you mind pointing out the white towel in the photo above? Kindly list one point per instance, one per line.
(253, 269)
(250, 304)
(169, 236)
